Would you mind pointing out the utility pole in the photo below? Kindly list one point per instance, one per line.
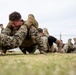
(60, 36)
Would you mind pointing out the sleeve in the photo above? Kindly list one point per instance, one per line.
(7, 30)
(14, 41)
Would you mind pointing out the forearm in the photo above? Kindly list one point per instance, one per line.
(6, 31)
(59, 44)
(14, 41)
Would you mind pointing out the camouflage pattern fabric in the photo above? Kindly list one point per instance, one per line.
(21, 39)
(45, 42)
(68, 47)
(24, 37)
(31, 41)
(14, 41)
(74, 45)
(74, 48)
(8, 29)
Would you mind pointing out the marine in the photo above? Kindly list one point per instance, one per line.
(68, 47)
(22, 34)
(74, 45)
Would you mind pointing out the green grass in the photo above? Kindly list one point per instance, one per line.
(38, 64)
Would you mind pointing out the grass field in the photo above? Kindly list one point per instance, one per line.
(38, 64)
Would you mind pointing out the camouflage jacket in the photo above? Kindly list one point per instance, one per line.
(14, 41)
(28, 41)
(19, 37)
(45, 42)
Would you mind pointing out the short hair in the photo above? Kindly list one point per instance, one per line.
(14, 16)
(40, 30)
(1, 24)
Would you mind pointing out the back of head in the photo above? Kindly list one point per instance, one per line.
(69, 41)
(40, 30)
(74, 39)
(1, 24)
(14, 16)
(45, 30)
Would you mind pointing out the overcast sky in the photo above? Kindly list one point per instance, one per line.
(59, 16)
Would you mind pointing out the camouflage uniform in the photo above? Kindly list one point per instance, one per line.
(45, 43)
(74, 45)
(25, 37)
(68, 47)
(8, 42)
